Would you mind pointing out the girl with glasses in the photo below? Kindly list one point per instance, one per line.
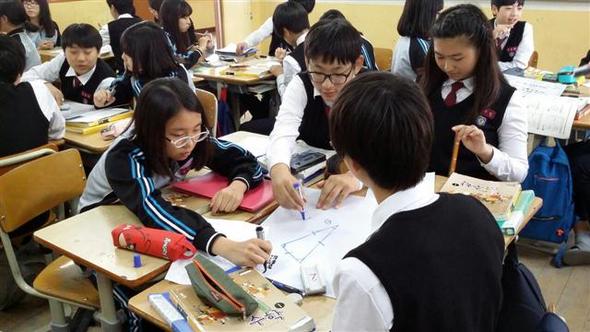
(42, 30)
(169, 138)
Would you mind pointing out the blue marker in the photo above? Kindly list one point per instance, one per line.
(297, 186)
(286, 288)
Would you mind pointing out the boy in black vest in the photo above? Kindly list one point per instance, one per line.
(12, 19)
(123, 12)
(514, 38)
(28, 114)
(333, 58)
(78, 69)
(434, 261)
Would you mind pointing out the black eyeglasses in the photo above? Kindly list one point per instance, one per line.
(319, 78)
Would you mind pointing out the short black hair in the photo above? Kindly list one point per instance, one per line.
(14, 11)
(383, 122)
(332, 14)
(333, 40)
(155, 4)
(12, 59)
(122, 6)
(417, 18)
(307, 4)
(147, 45)
(82, 35)
(291, 16)
(160, 100)
(500, 3)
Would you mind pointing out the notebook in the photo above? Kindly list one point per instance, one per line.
(209, 184)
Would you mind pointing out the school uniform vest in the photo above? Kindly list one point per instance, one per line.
(299, 55)
(83, 93)
(314, 128)
(276, 42)
(22, 123)
(116, 29)
(507, 53)
(449, 279)
(488, 120)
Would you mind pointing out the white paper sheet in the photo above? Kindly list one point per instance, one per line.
(551, 116)
(233, 229)
(323, 238)
(529, 86)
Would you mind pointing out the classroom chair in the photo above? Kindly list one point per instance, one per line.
(534, 59)
(209, 102)
(27, 191)
(383, 58)
(9, 162)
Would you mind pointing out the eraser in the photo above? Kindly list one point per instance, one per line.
(136, 260)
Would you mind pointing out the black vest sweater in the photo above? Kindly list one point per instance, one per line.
(276, 42)
(441, 266)
(314, 129)
(507, 53)
(83, 93)
(489, 120)
(299, 55)
(116, 29)
(22, 123)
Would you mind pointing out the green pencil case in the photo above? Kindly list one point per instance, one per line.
(212, 285)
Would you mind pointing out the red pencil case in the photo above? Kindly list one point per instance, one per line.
(153, 242)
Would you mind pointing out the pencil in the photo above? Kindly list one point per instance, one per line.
(264, 212)
(454, 155)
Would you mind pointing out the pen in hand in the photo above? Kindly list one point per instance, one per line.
(298, 186)
(260, 236)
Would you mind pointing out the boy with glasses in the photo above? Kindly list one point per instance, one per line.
(333, 58)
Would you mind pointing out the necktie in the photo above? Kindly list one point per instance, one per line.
(451, 98)
(77, 83)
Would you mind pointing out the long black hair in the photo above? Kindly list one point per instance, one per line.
(45, 22)
(418, 17)
(170, 12)
(160, 100)
(469, 22)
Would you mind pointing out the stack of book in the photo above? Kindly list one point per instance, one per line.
(93, 121)
(507, 202)
(228, 53)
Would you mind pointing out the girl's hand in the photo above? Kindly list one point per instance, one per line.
(280, 53)
(228, 199)
(335, 189)
(502, 31)
(282, 188)
(46, 45)
(103, 98)
(475, 141)
(247, 253)
(240, 47)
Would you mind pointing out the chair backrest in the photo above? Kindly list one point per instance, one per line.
(209, 102)
(9, 162)
(534, 59)
(39, 185)
(383, 58)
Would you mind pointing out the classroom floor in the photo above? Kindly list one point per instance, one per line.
(568, 288)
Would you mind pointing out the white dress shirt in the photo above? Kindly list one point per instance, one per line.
(47, 104)
(524, 51)
(290, 68)
(263, 32)
(400, 64)
(104, 32)
(509, 161)
(49, 71)
(362, 303)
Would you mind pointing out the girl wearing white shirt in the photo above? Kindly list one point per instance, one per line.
(472, 102)
(413, 27)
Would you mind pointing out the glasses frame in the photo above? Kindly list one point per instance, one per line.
(329, 76)
(188, 138)
(30, 3)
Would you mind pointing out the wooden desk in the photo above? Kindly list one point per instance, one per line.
(582, 123)
(92, 143)
(86, 239)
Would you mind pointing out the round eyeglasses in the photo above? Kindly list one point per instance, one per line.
(319, 78)
(185, 140)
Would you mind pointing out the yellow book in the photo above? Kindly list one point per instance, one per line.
(86, 130)
(99, 117)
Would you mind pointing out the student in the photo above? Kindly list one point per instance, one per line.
(146, 56)
(12, 21)
(291, 23)
(79, 69)
(154, 8)
(267, 30)
(175, 19)
(123, 12)
(42, 30)
(366, 46)
(471, 100)
(414, 27)
(514, 38)
(28, 114)
(333, 56)
(394, 282)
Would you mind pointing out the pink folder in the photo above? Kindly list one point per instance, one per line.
(209, 184)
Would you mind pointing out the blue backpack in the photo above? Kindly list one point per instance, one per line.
(225, 119)
(550, 177)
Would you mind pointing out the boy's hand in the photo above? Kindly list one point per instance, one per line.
(240, 47)
(282, 188)
(56, 93)
(502, 31)
(247, 253)
(228, 199)
(475, 141)
(335, 189)
(46, 45)
(276, 70)
(280, 53)
(103, 98)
